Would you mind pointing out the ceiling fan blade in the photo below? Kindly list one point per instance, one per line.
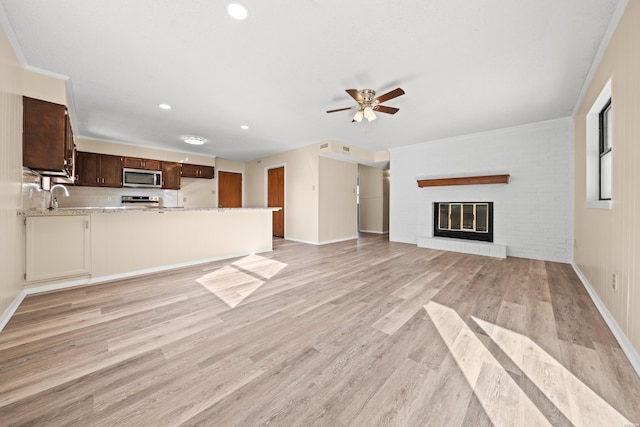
(389, 95)
(355, 94)
(340, 109)
(385, 109)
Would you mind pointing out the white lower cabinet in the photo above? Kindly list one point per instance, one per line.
(57, 247)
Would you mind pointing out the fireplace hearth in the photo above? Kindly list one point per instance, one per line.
(463, 220)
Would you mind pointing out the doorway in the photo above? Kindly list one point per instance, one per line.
(275, 198)
(229, 189)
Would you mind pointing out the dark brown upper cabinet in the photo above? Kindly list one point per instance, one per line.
(171, 175)
(136, 163)
(197, 171)
(99, 170)
(47, 138)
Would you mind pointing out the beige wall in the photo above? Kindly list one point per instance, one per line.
(320, 199)
(229, 165)
(11, 243)
(386, 185)
(607, 242)
(350, 153)
(371, 199)
(337, 200)
(14, 83)
(39, 86)
(301, 190)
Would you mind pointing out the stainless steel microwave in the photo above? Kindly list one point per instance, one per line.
(141, 178)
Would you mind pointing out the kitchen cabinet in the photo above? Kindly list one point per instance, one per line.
(99, 170)
(47, 138)
(196, 171)
(171, 175)
(57, 247)
(136, 163)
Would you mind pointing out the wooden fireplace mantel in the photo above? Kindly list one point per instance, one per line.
(464, 180)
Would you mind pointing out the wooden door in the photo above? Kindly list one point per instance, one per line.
(275, 198)
(229, 189)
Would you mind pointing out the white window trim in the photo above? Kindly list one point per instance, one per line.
(593, 151)
(599, 204)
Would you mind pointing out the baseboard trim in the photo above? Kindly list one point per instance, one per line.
(321, 243)
(328, 242)
(306, 242)
(10, 311)
(625, 344)
(373, 231)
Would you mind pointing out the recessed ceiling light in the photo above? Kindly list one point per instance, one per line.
(193, 140)
(237, 11)
(244, 127)
(165, 106)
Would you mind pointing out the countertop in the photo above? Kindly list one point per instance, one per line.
(126, 209)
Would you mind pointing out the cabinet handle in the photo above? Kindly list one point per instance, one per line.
(103, 180)
(98, 180)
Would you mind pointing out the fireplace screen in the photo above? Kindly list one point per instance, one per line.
(464, 220)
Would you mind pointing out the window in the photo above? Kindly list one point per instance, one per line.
(605, 151)
(599, 167)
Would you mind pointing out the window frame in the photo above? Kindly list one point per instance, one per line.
(593, 176)
(604, 143)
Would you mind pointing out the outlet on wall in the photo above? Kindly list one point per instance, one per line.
(614, 281)
(184, 199)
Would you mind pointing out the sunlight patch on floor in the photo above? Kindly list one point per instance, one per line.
(580, 404)
(236, 281)
(502, 399)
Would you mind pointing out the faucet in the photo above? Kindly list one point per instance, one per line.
(53, 201)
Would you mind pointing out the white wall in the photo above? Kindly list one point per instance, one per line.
(532, 214)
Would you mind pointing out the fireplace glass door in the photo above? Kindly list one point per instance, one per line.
(464, 220)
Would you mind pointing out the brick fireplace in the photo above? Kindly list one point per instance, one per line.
(455, 223)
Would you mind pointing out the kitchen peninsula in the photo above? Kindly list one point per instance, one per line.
(76, 246)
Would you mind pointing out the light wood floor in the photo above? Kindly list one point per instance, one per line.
(359, 333)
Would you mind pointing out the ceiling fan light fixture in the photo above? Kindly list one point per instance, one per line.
(359, 115)
(369, 114)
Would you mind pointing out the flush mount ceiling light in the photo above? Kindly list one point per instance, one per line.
(193, 140)
(164, 106)
(237, 11)
(244, 127)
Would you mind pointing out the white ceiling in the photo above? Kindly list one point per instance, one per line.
(466, 66)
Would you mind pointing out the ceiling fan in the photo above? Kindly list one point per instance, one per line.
(368, 103)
